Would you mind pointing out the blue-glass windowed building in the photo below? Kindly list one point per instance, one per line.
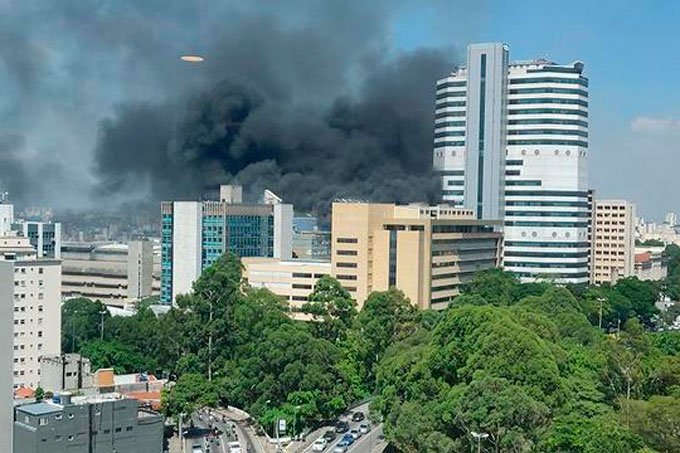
(194, 234)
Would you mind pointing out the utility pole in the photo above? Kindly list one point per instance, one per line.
(479, 437)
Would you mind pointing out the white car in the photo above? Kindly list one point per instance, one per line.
(234, 447)
(319, 444)
(364, 428)
(355, 433)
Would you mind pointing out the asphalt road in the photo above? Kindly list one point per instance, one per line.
(203, 424)
(364, 444)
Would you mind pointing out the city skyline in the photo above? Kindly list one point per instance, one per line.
(626, 120)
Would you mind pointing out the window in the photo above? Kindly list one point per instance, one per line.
(301, 275)
(346, 277)
(128, 428)
(347, 252)
(119, 430)
(42, 421)
(347, 240)
(350, 265)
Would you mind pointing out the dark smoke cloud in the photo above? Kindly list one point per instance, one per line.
(310, 99)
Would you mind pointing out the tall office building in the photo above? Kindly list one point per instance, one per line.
(6, 352)
(511, 143)
(613, 241)
(195, 233)
(425, 251)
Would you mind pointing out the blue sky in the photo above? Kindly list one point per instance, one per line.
(631, 54)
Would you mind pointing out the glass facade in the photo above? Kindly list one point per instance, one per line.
(250, 235)
(166, 259)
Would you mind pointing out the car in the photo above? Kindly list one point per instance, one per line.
(341, 426)
(329, 435)
(340, 448)
(348, 439)
(319, 444)
(358, 416)
(364, 428)
(196, 448)
(234, 447)
(355, 433)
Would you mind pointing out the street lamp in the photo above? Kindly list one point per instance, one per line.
(601, 301)
(479, 437)
(102, 312)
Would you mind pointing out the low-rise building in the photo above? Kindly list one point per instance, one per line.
(428, 252)
(650, 263)
(293, 280)
(65, 372)
(102, 423)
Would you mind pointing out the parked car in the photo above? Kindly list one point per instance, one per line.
(358, 416)
(234, 447)
(196, 448)
(364, 428)
(348, 439)
(329, 435)
(341, 426)
(319, 444)
(355, 433)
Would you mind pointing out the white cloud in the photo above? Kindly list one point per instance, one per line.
(651, 125)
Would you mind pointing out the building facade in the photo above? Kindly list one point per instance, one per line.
(115, 274)
(36, 308)
(44, 236)
(293, 280)
(102, 423)
(650, 263)
(613, 241)
(425, 251)
(194, 234)
(6, 351)
(511, 143)
(65, 372)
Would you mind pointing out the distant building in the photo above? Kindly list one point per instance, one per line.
(650, 263)
(613, 241)
(671, 219)
(425, 251)
(65, 372)
(194, 234)
(36, 306)
(6, 350)
(312, 245)
(99, 423)
(115, 274)
(293, 280)
(44, 236)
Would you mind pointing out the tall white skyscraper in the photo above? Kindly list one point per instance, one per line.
(519, 152)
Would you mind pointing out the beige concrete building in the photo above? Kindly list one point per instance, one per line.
(36, 308)
(425, 251)
(116, 274)
(293, 280)
(613, 241)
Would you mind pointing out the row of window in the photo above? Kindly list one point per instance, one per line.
(542, 111)
(458, 83)
(443, 105)
(446, 143)
(543, 90)
(546, 265)
(547, 254)
(451, 94)
(546, 132)
(548, 121)
(450, 124)
(546, 224)
(547, 214)
(575, 275)
(552, 204)
(580, 81)
(549, 142)
(580, 102)
(528, 182)
(449, 134)
(546, 193)
(449, 114)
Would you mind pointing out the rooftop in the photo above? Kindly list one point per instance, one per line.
(41, 408)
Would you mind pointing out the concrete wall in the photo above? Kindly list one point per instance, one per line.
(186, 246)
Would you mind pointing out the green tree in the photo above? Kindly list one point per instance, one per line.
(495, 286)
(81, 322)
(191, 392)
(116, 355)
(656, 421)
(332, 308)
(39, 394)
(642, 295)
